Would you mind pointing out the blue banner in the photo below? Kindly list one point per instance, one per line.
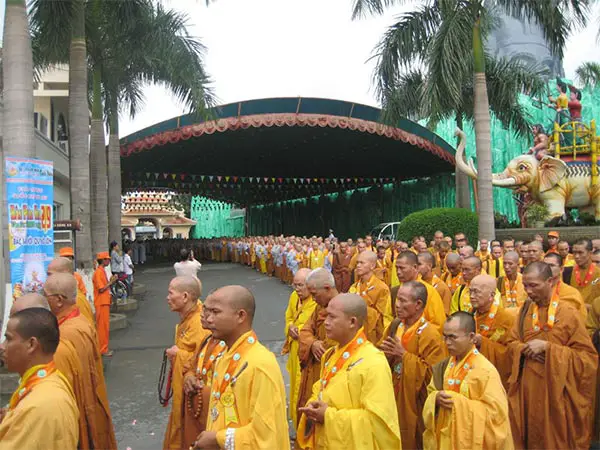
(30, 197)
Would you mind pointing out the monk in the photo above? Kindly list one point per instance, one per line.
(566, 293)
(466, 407)
(510, 285)
(471, 267)
(586, 275)
(88, 383)
(564, 251)
(342, 273)
(412, 351)
(383, 269)
(493, 322)
(453, 277)
(375, 293)
(102, 300)
(65, 265)
(426, 266)
(300, 308)
(361, 247)
(42, 413)
(494, 265)
(535, 251)
(553, 377)
(68, 253)
(352, 404)
(247, 399)
(182, 298)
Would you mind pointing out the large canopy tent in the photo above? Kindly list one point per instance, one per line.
(270, 151)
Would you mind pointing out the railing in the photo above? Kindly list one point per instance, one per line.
(576, 138)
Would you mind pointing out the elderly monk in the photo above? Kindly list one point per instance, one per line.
(453, 277)
(87, 378)
(471, 267)
(65, 265)
(566, 293)
(494, 266)
(425, 266)
(375, 293)
(247, 398)
(553, 377)
(361, 247)
(102, 300)
(342, 256)
(352, 405)
(412, 350)
(466, 252)
(182, 298)
(493, 322)
(510, 286)
(42, 413)
(466, 407)
(586, 275)
(300, 308)
(312, 338)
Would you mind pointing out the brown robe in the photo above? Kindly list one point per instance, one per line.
(342, 272)
(551, 402)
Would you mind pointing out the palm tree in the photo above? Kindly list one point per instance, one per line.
(442, 36)
(588, 73)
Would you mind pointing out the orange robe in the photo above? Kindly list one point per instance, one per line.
(85, 308)
(383, 270)
(513, 297)
(590, 290)
(411, 374)
(444, 291)
(83, 368)
(572, 296)
(379, 306)
(493, 341)
(453, 282)
(189, 334)
(313, 330)
(551, 402)
(102, 304)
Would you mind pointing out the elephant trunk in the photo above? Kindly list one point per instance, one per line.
(509, 181)
(459, 157)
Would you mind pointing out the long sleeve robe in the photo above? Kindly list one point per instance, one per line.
(479, 417)
(591, 290)
(493, 346)
(46, 419)
(361, 412)
(189, 334)
(259, 395)
(551, 402)
(376, 294)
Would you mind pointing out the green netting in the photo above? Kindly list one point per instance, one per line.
(351, 213)
(214, 219)
(506, 145)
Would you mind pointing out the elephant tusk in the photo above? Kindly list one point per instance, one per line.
(460, 161)
(504, 182)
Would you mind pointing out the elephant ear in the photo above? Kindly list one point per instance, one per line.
(551, 170)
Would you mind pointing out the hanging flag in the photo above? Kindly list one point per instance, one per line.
(156, 174)
(147, 175)
(210, 178)
(182, 176)
(272, 180)
(295, 180)
(235, 179)
(165, 175)
(227, 179)
(219, 177)
(202, 177)
(266, 179)
(173, 175)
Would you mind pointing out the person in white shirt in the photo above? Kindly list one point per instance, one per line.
(187, 265)
(128, 267)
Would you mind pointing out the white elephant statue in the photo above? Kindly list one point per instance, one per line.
(550, 181)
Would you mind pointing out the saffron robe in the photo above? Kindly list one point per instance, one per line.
(45, 419)
(444, 291)
(88, 381)
(85, 308)
(383, 270)
(453, 282)
(591, 290)
(495, 267)
(379, 306)
(259, 400)
(297, 314)
(434, 309)
(102, 302)
(551, 402)
(341, 271)
(479, 417)
(461, 299)
(189, 334)
(361, 413)
(517, 293)
(313, 330)
(316, 259)
(411, 374)
(568, 294)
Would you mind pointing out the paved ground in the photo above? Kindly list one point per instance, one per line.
(132, 374)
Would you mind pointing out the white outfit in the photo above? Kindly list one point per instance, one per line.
(187, 268)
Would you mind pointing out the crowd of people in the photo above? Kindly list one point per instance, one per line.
(390, 345)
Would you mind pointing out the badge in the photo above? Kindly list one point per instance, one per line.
(214, 413)
(228, 399)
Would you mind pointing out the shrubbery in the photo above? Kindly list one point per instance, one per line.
(448, 220)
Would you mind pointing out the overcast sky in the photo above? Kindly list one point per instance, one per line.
(271, 48)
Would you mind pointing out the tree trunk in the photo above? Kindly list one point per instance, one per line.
(98, 177)
(79, 122)
(16, 121)
(482, 140)
(463, 192)
(114, 178)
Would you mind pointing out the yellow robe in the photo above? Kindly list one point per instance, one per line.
(379, 306)
(495, 267)
(361, 412)
(479, 418)
(517, 293)
(297, 314)
(461, 299)
(189, 334)
(590, 291)
(317, 259)
(46, 419)
(259, 400)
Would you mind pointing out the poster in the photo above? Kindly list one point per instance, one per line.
(30, 196)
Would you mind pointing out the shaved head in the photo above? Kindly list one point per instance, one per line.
(452, 258)
(63, 284)
(238, 297)
(485, 280)
(60, 265)
(473, 260)
(319, 278)
(368, 256)
(513, 256)
(29, 301)
(301, 275)
(187, 283)
(352, 305)
(466, 322)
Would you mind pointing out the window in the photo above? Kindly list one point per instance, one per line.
(57, 211)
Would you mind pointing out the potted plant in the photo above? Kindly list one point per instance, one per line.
(537, 214)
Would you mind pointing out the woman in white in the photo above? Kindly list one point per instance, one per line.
(187, 265)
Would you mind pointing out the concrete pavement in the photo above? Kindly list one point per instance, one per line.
(132, 374)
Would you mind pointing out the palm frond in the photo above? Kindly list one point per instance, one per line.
(406, 100)
(362, 8)
(588, 73)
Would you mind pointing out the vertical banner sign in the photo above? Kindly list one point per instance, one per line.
(30, 196)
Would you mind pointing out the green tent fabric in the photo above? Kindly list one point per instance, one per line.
(214, 219)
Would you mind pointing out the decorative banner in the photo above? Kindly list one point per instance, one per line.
(30, 198)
